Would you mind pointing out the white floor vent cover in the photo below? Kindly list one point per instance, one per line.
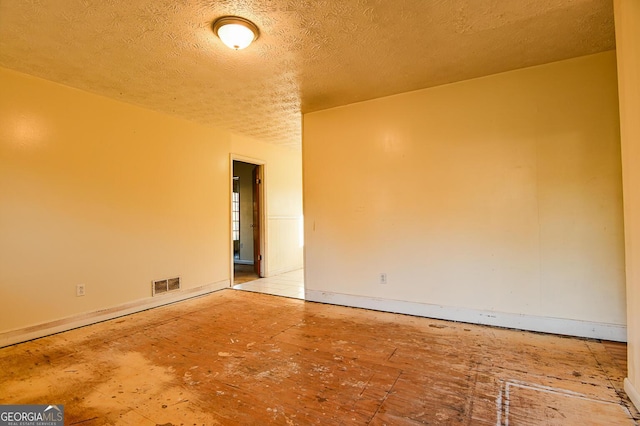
(164, 286)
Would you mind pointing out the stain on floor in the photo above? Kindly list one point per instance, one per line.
(240, 358)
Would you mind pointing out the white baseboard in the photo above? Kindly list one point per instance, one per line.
(40, 330)
(570, 327)
(242, 262)
(632, 393)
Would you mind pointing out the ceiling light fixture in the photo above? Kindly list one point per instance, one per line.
(235, 32)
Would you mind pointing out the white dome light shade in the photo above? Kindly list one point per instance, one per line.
(235, 36)
(235, 32)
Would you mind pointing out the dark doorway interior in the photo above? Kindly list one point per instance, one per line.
(246, 222)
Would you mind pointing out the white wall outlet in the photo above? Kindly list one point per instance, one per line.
(80, 290)
(382, 278)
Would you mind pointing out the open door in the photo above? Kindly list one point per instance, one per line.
(257, 243)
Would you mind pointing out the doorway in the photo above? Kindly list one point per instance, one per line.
(246, 221)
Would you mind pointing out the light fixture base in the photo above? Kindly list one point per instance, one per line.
(229, 27)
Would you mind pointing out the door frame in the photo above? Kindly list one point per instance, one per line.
(262, 202)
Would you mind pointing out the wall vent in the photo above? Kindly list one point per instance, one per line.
(164, 286)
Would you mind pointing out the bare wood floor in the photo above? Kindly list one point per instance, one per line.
(243, 274)
(244, 358)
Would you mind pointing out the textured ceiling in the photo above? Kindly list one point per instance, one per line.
(311, 54)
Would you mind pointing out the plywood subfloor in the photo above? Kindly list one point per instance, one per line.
(241, 358)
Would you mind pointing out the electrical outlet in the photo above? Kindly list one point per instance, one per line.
(80, 290)
(383, 278)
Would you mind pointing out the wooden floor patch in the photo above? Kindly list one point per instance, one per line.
(521, 403)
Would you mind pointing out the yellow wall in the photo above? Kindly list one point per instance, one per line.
(499, 194)
(627, 15)
(106, 194)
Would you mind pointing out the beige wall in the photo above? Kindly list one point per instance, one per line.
(112, 196)
(498, 194)
(627, 15)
